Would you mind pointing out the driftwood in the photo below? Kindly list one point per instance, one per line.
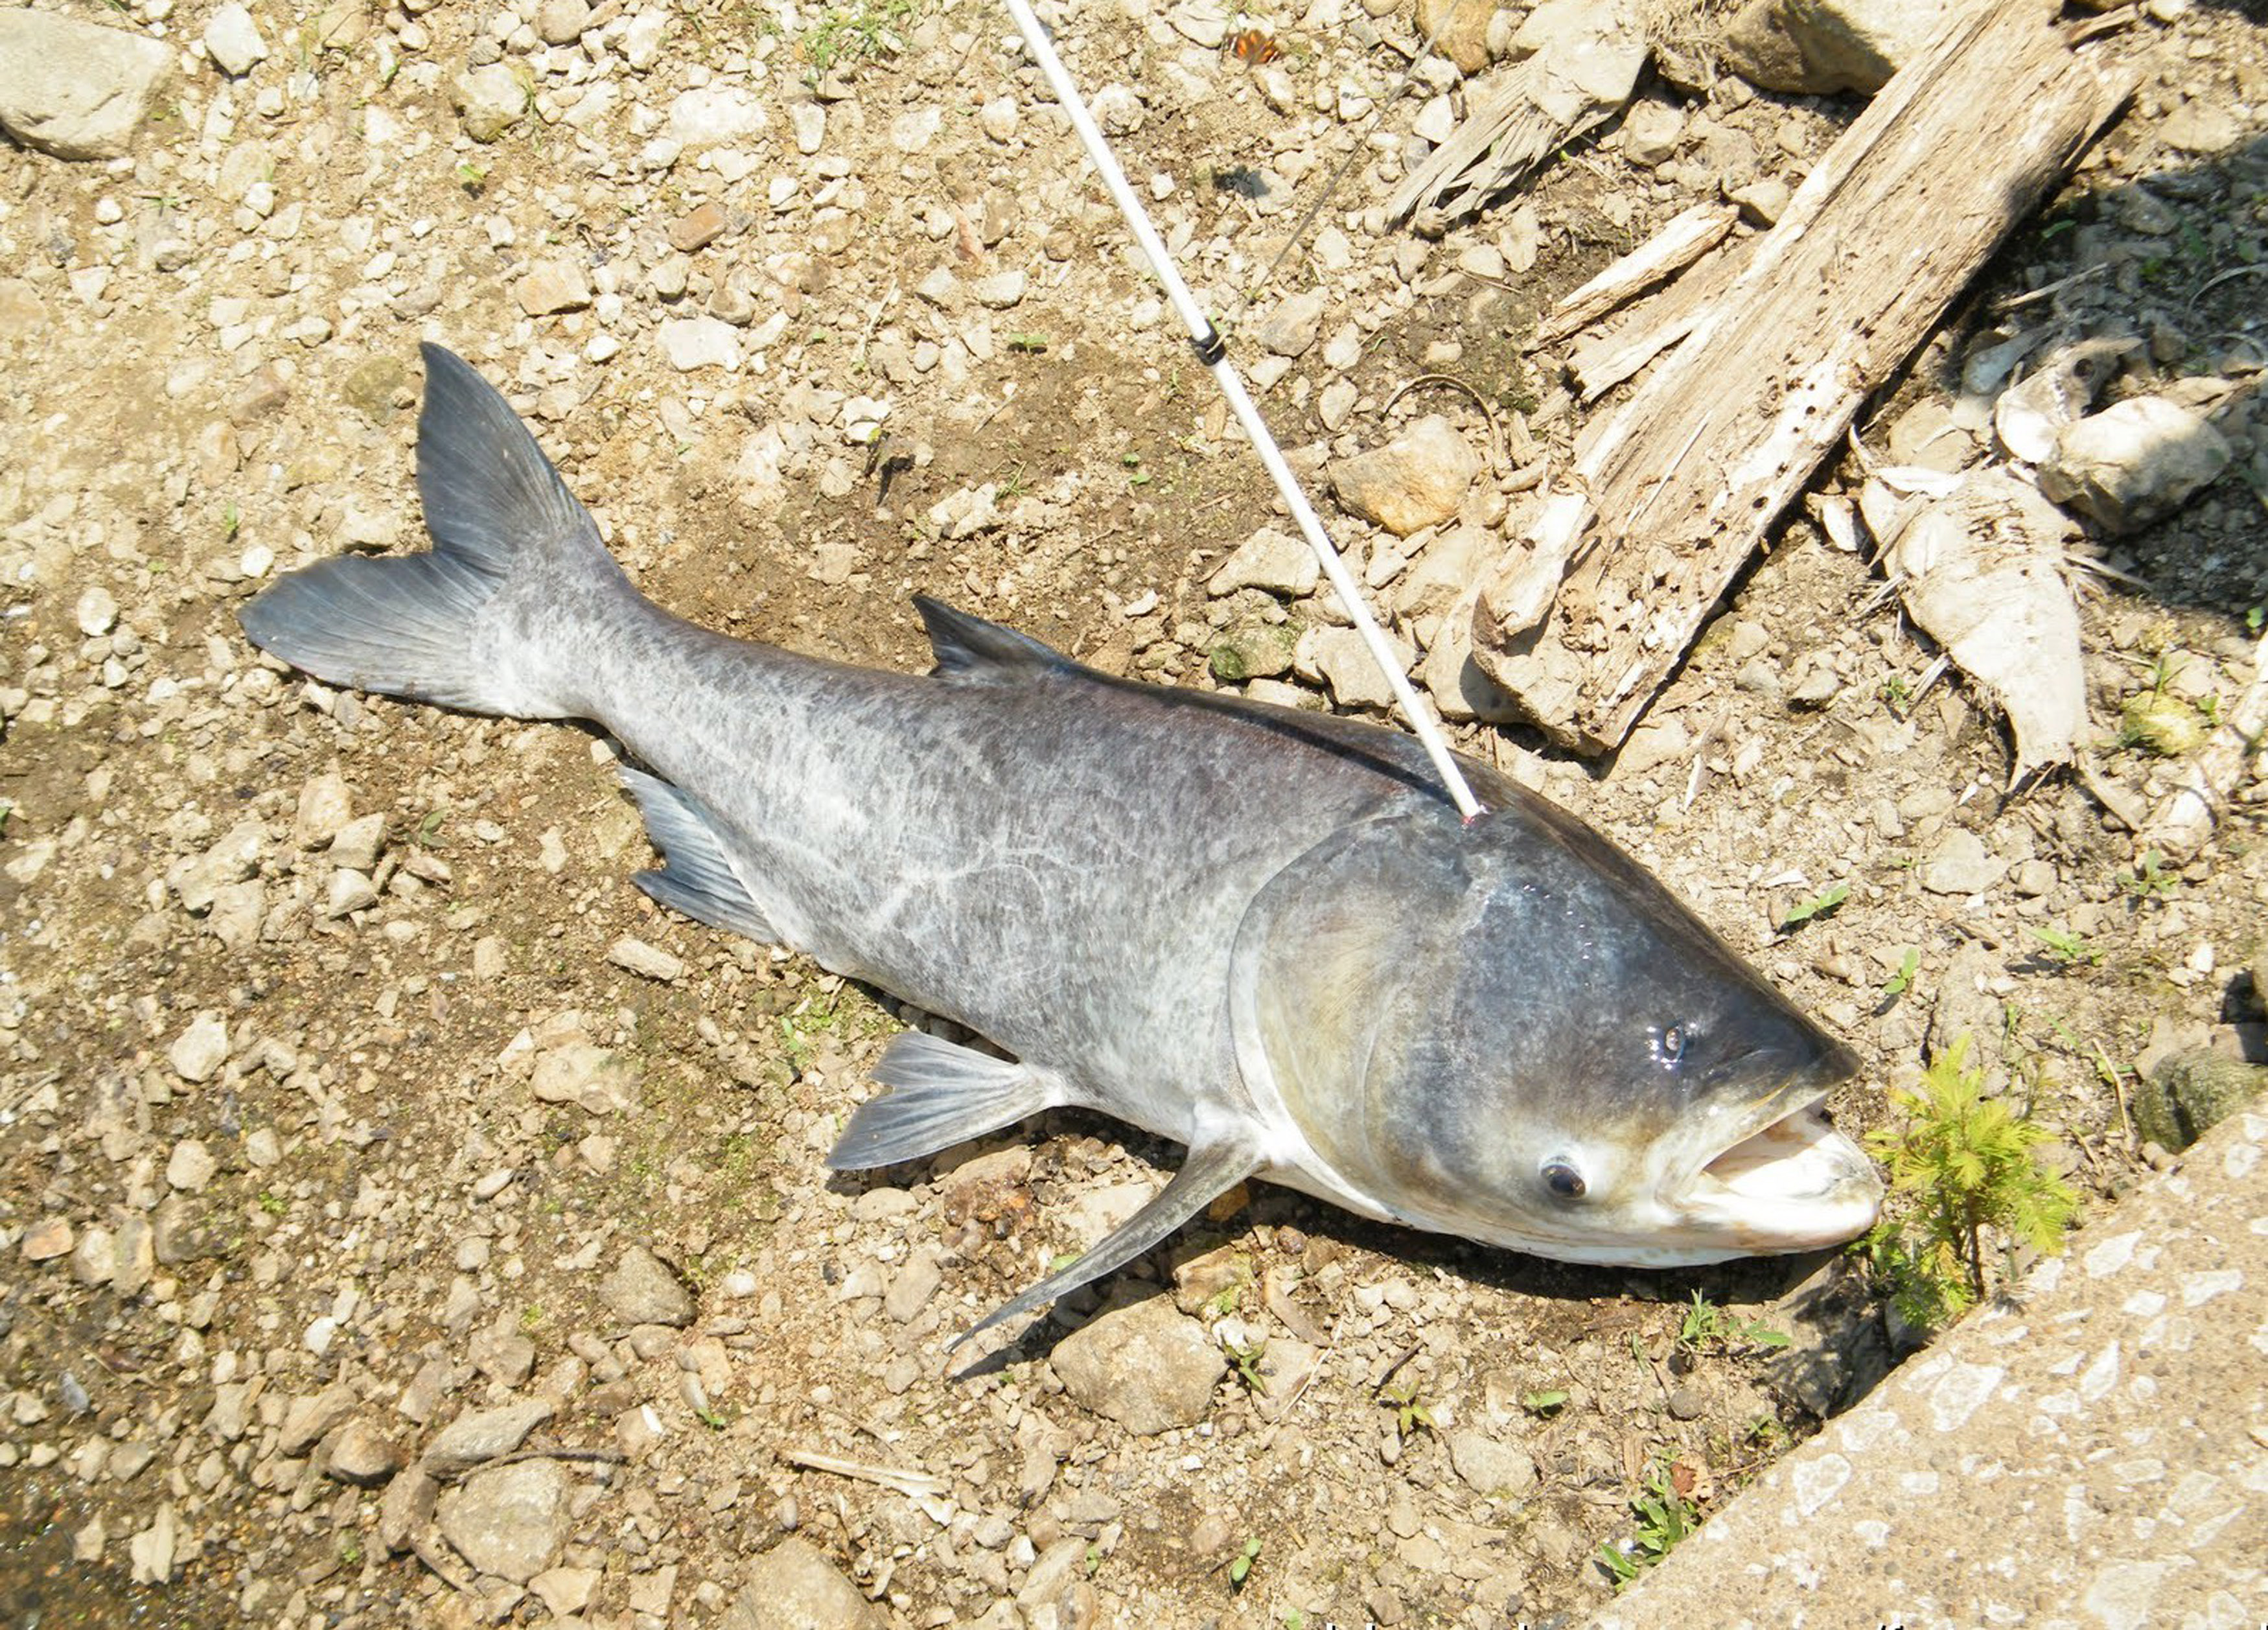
(1686, 240)
(1587, 59)
(1680, 486)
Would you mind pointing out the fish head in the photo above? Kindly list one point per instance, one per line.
(1511, 1032)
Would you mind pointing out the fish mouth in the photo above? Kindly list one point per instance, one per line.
(1789, 1182)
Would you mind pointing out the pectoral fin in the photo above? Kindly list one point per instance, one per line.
(1212, 1168)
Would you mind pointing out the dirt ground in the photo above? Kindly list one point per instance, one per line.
(317, 1133)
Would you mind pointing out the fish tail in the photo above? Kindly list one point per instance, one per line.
(485, 620)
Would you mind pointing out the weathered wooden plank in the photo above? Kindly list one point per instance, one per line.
(1689, 234)
(1675, 490)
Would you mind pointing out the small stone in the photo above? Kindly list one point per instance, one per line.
(406, 1506)
(1254, 651)
(566, 1591)
(510, 1521)
(794, 1587)
(1488, 1467)
(359, 843)
(697, 228)
(2191, 1092)
(364, 1455)
(1460, 32)
(561, 22)
(1816, 47)
(152, 1550)
(2134, 463)
(1651, 132)
(1118, 109)
(647, 962)
(691, 342)
(1000, 291)
(306, 1420)
(483, 1436)
(999, 118)
(325, 808)
(552, 286)
(1960, 865)
(198, 1052)
(713, 116)
(1760, 202)
(913, 1285)
(1294, 326)
(808, 120)
(489, 101)
(642, 1290)
(47, 1239)
(1413, 482)
(75, 90)
(97, 612)
(598, 1078)
(347, 893)
(1201, 22)
(191, 1167)
(233, 42)
(1340, 659)
(1144, 1366)
(1275, 561)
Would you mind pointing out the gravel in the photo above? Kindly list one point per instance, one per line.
(406, 1222)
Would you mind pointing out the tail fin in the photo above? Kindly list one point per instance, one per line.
(452, 626)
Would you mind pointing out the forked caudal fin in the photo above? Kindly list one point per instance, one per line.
(456, 625)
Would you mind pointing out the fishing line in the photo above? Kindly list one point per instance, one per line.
(1212, 351)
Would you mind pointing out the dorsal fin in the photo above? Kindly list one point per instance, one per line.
(972, 652)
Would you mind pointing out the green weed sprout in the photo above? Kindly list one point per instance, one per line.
(1968, 1163)
(1665, 1519)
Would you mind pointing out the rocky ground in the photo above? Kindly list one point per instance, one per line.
(405, 1221)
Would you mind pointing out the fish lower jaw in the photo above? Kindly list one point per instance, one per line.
(1798, 1184)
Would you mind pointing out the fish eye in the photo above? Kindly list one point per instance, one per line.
(1670, 1043)
(1561, 1178)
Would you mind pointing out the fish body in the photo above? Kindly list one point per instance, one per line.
(1262, 933)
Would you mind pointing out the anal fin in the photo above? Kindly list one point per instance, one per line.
(940, 1094)
(1213, 1168)
(696, 875)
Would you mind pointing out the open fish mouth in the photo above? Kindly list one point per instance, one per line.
(1793, 1183)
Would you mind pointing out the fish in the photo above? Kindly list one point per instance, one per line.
(1262, 933)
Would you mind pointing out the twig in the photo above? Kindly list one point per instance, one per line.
(1495, 435)
(2216, 280)
(604, 1457)
(913, 1485)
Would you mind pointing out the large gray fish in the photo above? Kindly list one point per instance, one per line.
(1260, 932)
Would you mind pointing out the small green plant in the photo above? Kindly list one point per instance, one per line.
(471, 176)
(1240, 1568)
(712, 1417)
(430, 827)
(2067, 947)
(859, 32)
(1666, 1517)
(1094, 1557)
(1897, 694)
(531, 1319)
(1029, 343)
(1547, 1403)
(1247, 1359)
(274, 1204)
(231, 522)
(1968, 1163)
(1705, 1324)
(2149, 879)
(1410, 1414)
(1819, 905)
(1899, 983)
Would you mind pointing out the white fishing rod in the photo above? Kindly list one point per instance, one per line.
(1213, 352)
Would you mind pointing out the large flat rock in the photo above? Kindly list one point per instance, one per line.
(2093, 1452)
